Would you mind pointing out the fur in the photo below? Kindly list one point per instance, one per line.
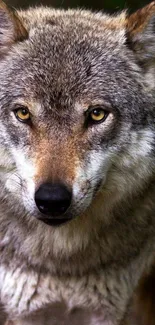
(59, 64)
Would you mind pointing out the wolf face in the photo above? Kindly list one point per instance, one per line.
(76, 114)
(77, 163)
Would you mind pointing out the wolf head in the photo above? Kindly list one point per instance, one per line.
(76, 112)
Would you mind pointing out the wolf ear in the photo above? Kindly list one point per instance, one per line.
(140, 28)
(11, 28)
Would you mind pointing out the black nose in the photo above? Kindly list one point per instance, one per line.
(53, 199)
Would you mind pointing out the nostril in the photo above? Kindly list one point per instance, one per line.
(53, 207)
(53, 199)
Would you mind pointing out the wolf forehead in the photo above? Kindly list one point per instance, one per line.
(73, 56)
(75, 26)
(70, 52)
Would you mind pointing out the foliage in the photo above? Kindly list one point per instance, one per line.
(108, 5)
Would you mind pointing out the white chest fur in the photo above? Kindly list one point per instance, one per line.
(38, 299)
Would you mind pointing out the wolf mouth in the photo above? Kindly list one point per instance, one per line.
(55, 222)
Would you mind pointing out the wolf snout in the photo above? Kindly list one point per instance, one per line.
(53, 200)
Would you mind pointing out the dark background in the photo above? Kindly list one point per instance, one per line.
(108, 5)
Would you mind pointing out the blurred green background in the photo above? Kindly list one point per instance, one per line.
(108, 5)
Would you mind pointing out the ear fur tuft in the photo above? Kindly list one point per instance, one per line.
(140, 30)
(11, 28)
(139, 21)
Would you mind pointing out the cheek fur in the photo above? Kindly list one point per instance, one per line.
(92, 172)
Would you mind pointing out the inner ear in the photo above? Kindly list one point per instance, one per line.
(138, 22)
(140, 35)
(11, 27)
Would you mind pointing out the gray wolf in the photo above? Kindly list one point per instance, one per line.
(77, 164)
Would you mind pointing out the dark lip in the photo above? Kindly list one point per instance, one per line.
(55, 222)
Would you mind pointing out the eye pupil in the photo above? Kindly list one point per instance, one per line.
(22, 114)
(24, 111)
(98, 115)
(97, 112)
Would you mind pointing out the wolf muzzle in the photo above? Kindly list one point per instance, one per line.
(53, 200)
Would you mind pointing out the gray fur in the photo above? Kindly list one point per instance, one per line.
(86, 270)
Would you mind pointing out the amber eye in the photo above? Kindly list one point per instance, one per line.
(97, 115)
(22, 114)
